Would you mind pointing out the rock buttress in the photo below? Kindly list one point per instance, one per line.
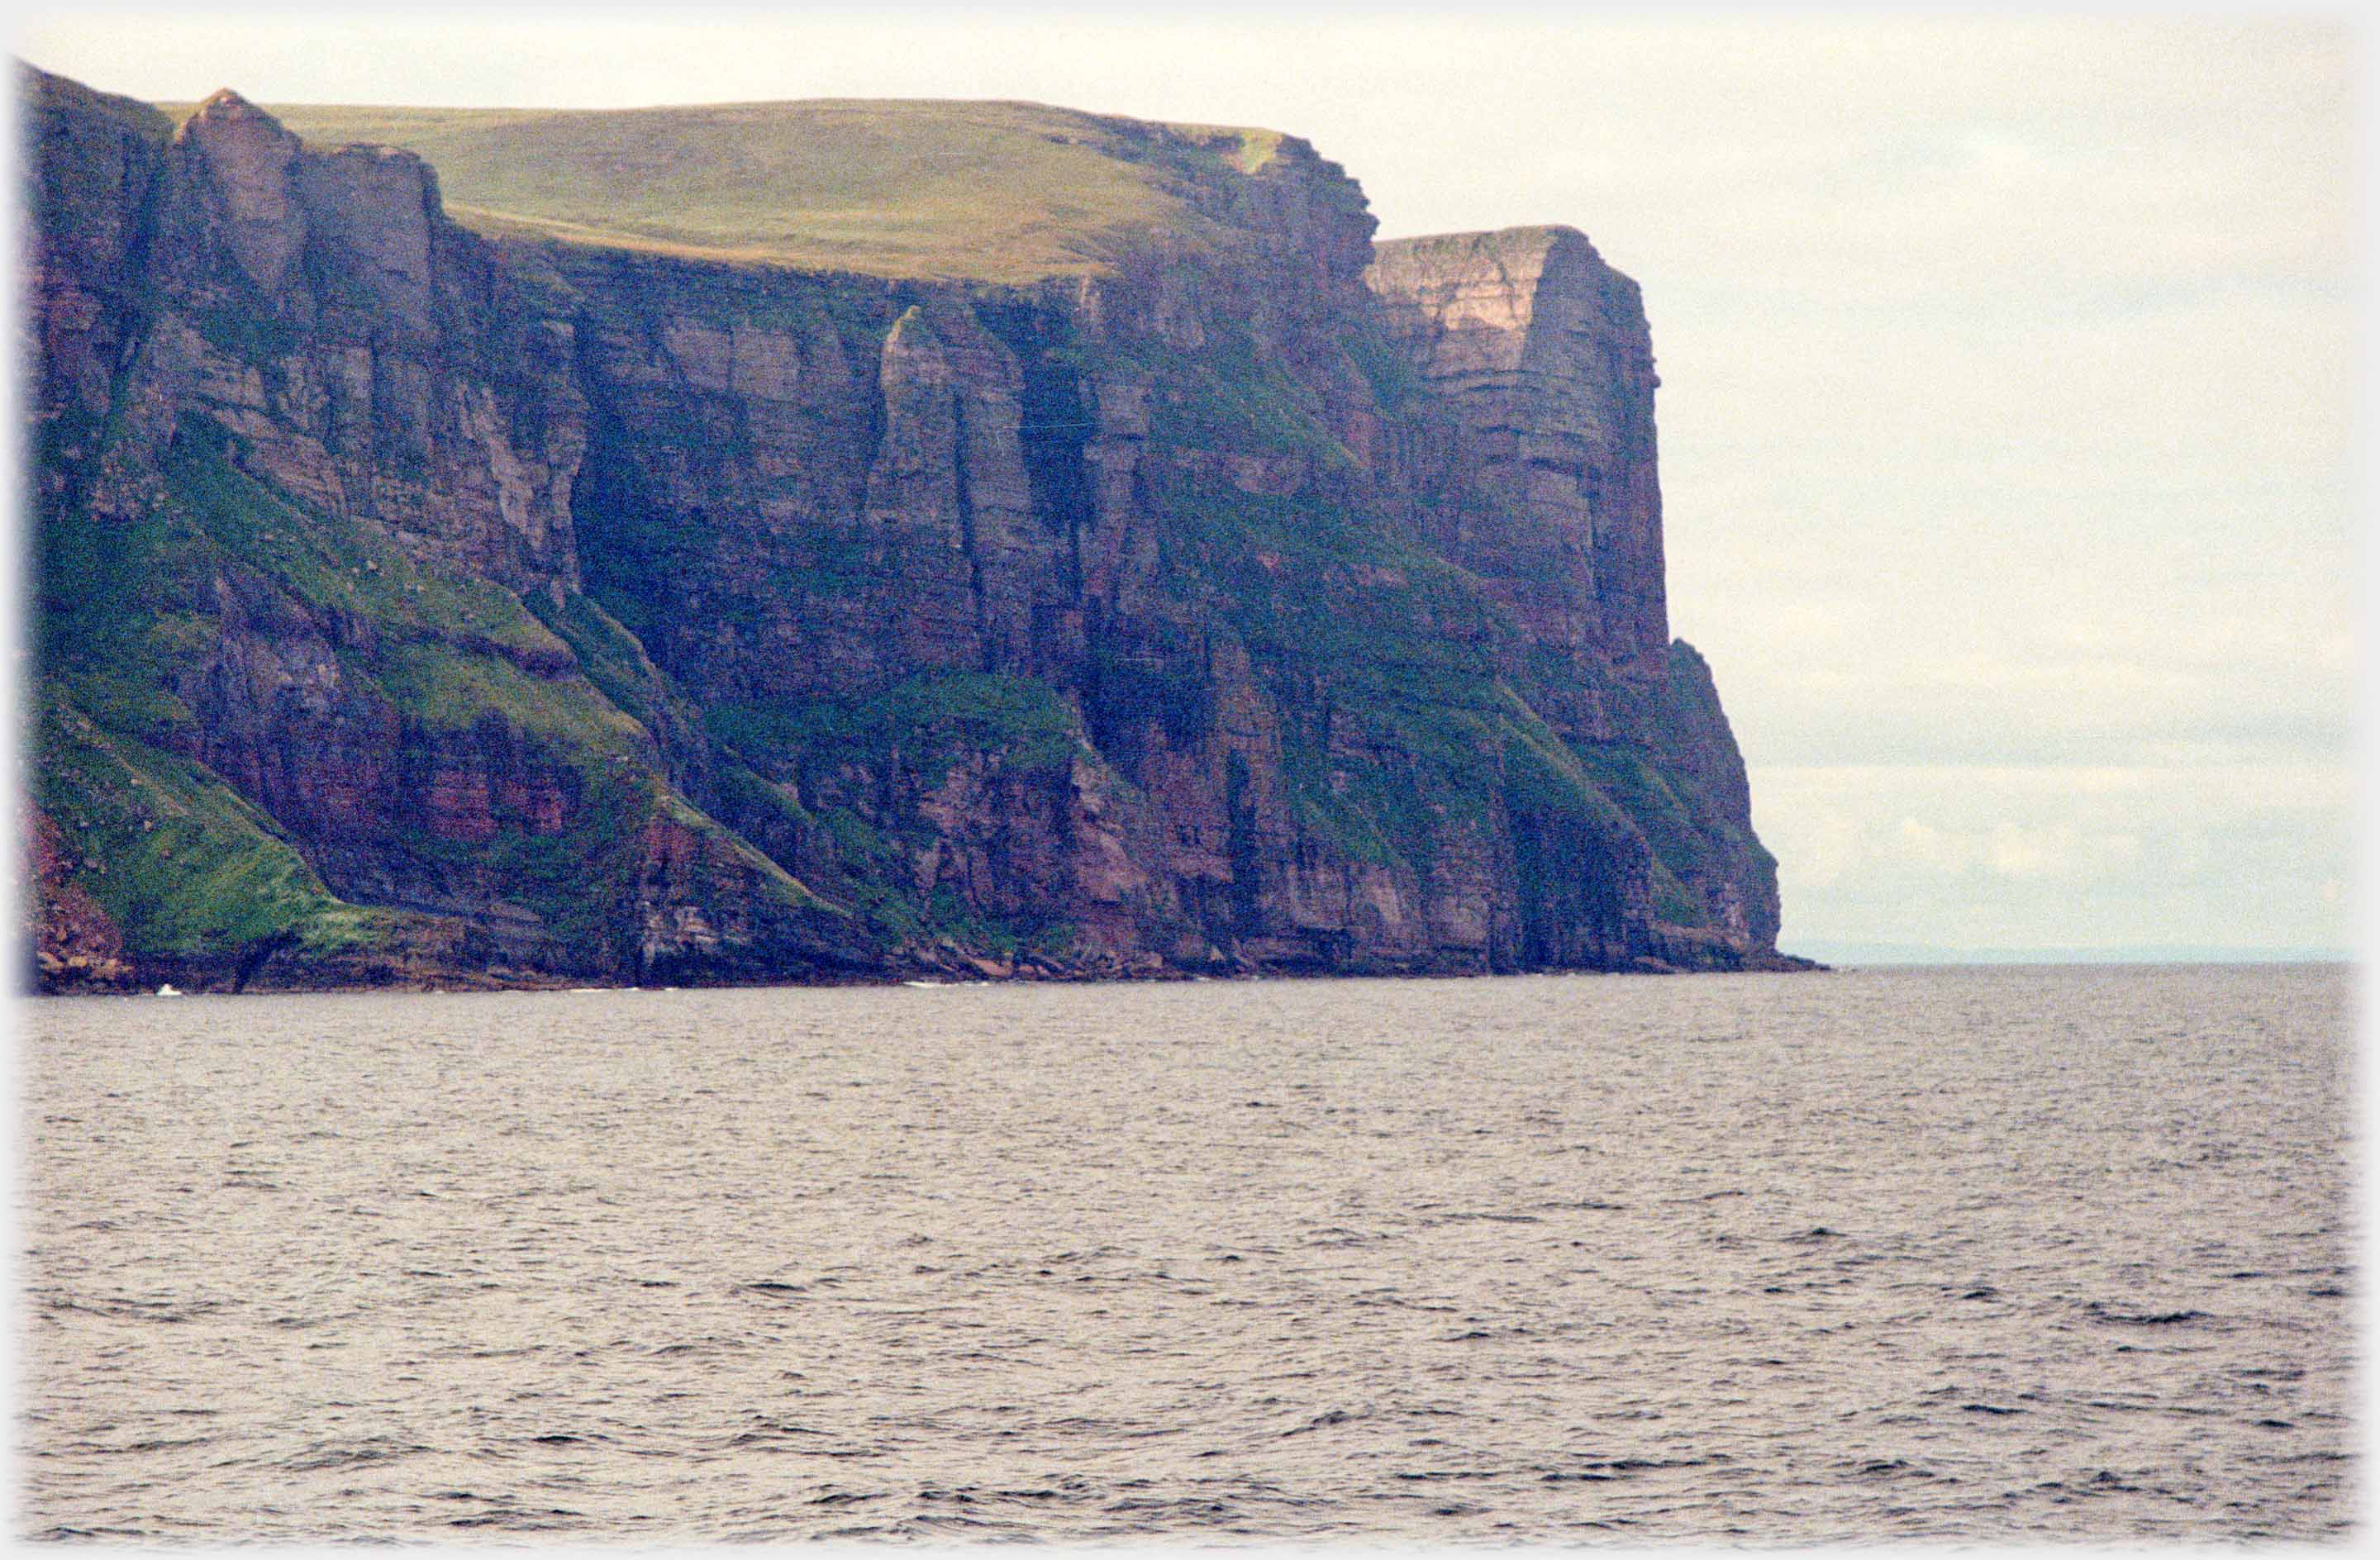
(1541, 478)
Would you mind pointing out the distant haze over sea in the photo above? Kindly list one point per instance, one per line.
(1842, 953)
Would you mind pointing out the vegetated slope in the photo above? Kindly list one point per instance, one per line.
(422, 605)
(998, 191)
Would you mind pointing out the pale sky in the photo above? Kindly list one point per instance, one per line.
(2009, 376)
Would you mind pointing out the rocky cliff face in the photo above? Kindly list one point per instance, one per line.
(424, 607)
(1548, 492)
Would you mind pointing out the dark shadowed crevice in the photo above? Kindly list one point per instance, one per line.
(1055, 426)
(1246, 866)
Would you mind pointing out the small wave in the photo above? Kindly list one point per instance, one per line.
(355, 1454)
(126, 1310)
(1892, 1468)
(159, 1443)
(1193, 1509)
(776, 1427)
(2100, 1312)
(542, 1518)
(1647, 1465)
(1436, 1475)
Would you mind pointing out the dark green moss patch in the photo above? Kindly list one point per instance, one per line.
(1232, 396)
(245, 333)
(612, 659)
(931, 722)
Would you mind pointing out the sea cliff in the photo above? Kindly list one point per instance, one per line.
(1172, 582)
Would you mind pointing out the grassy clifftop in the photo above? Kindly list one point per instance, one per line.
(987, 191)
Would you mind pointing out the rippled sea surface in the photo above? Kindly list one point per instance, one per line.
(1995, 1254)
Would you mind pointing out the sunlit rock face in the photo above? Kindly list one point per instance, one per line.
(1552, 497)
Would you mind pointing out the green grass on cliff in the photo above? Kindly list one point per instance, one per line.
(448, 652)
(991, 191)
(614, 659)
(1234, 397)
(925, 726)
(187, 867)
(1652, 801)
(442, 689)
(184, 865)
(1391, 661)
(340, 568)
(934, 721)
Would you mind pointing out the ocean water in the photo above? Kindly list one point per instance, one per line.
(1999, 1255)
